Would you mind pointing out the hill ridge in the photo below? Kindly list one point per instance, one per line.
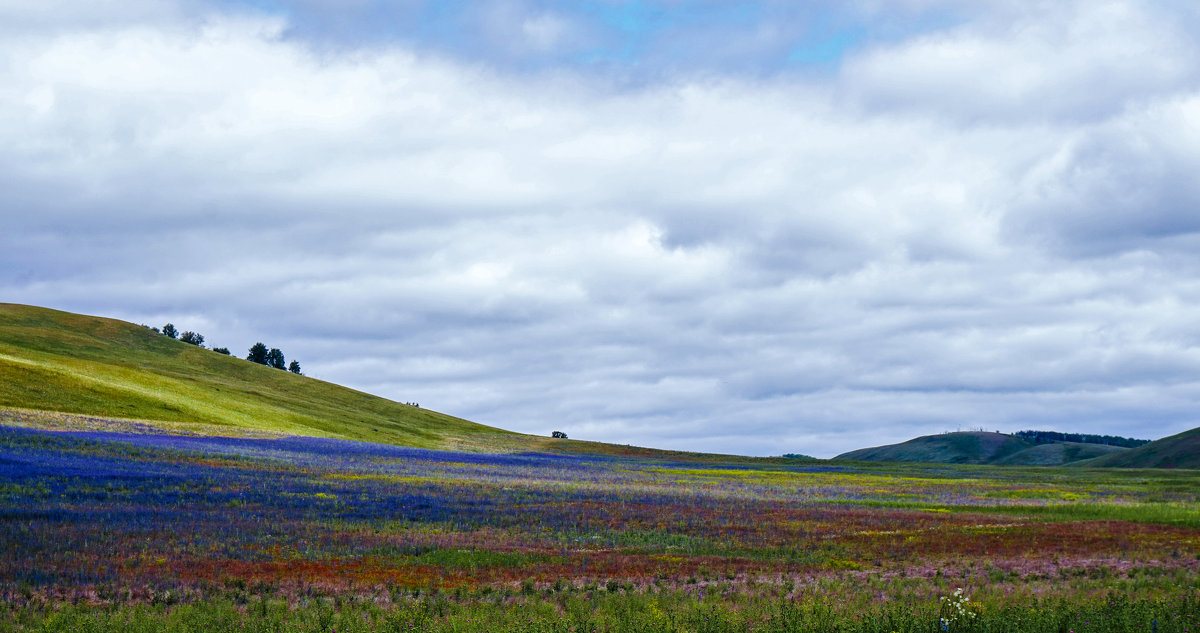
(57, 361)
(980, 447)
(1181, 450)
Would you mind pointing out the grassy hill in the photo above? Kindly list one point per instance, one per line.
(981, 447)
(1176, 451)
(968, 447)
(52, 361)
(1056, 453)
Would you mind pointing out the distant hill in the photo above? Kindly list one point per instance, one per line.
(54, 361)
(1057, 453)
(1044, 437)
(1176, 451)
(981, 447)
(967, 447)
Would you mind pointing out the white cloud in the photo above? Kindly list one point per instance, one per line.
(1072, 61)
(545, 31)
(705, 262)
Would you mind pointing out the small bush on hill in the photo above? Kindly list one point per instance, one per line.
(192, 338)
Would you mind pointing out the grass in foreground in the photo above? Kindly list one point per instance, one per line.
(607, 612)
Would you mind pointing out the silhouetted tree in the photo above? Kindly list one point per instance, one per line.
(258, 354)
(169, 330)
(221, 350)
(194, 338)
(294, 367)
(275, 359)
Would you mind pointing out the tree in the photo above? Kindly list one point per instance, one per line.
(258, 354)
(294, 367)
(221, 350)
(193, 338)
(275, 359)
(169, 330)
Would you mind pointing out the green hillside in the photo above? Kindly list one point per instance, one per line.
(968, 447)
(1056, 453)
(980, 447)
(62, 362)
(1176, 451)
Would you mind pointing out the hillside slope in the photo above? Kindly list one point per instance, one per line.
(1057, 453)
(980, 447)
(71, 363)
(1176, 451)
(966, 447)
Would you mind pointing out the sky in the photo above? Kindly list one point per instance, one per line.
(757, 227)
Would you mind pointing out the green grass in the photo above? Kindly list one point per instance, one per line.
(602, 609)
(61, 362)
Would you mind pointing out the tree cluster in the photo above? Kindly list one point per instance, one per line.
(1046, 437)
(192, 338)
(189, 337)
(272, 357)
(259, 353)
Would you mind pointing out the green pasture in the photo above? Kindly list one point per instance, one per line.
(613, 609)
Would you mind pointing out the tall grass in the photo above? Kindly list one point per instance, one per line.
(603, 612)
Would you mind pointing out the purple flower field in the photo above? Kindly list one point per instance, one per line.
(98, 517)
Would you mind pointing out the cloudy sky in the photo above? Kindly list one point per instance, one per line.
(757, 227)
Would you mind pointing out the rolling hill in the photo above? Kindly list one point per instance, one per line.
(72, 371)
(59, 363)
(1176, 451)
(981, 447)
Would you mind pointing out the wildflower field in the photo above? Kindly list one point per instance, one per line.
(148, 532)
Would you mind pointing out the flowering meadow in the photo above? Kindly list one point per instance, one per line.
(139, 531)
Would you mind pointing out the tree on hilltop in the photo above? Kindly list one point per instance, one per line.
(294, 367)
(169, 331)
(258, 354)
(275, 359)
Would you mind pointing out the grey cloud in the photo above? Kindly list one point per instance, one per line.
(1126, 185)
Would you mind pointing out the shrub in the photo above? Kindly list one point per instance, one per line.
(192, 338)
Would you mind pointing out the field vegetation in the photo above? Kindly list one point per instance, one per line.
(142, 531)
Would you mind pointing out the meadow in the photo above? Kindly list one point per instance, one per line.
(143, 531)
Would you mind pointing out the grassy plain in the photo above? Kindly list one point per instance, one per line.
(146, 532)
